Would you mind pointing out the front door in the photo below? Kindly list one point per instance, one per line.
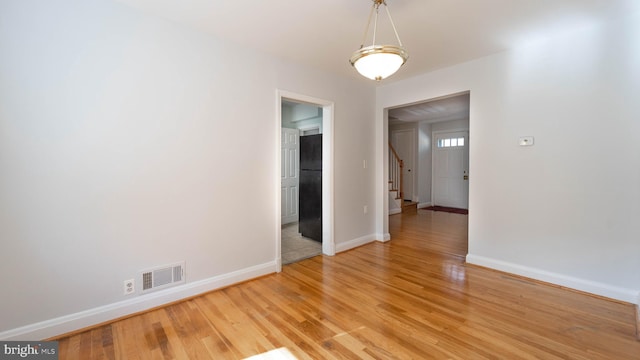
(451, 169)
(290, 153)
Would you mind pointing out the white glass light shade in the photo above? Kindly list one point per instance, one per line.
(378, 62)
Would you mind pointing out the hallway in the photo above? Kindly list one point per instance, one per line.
(432, 231)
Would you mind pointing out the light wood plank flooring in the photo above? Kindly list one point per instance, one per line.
(410, 298)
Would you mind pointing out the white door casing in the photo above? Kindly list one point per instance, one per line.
(328, 228)
(290, 157)
(451, 169)
(404, 143)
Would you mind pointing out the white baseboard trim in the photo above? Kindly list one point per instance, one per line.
(394, 211)
(623, 294)
(424, 205)
(383, 237)
(355, 243)
(84, 319)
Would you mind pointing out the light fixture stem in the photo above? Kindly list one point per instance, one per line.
(392, 25)
(366, 30)
(375, 24)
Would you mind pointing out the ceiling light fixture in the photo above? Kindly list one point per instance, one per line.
(377, 62)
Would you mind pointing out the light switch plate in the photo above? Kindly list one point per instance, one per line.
(525, 141)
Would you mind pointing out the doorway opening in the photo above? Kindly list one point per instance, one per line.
(305, 183)
(434, 135)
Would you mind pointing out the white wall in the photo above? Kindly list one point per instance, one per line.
(302, 117)
(566, 209)
(451, 125)
(116, 136)
(425, 164)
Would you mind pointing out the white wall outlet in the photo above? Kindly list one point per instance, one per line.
(129, 286)
(365, 209)
(364, 164)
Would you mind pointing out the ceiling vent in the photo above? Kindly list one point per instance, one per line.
(163, 277)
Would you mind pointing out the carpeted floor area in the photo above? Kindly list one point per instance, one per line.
(295, 247)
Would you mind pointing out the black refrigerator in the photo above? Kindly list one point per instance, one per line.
(310, 199)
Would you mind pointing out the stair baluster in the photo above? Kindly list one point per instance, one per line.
(395, 172)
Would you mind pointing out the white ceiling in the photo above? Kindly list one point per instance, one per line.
(436, 33)
(444, 109)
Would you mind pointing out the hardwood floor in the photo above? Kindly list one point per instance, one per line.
(410, 298)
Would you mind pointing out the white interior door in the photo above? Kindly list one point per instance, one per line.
(404, 143)
(290, 152)
(451, 169)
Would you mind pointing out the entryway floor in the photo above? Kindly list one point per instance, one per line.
(295, 247)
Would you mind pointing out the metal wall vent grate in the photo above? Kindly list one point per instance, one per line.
(163, 277)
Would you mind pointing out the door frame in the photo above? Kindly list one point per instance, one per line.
(382, 155)
(328, 241)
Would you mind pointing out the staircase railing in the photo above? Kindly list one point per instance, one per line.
(395, 172)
